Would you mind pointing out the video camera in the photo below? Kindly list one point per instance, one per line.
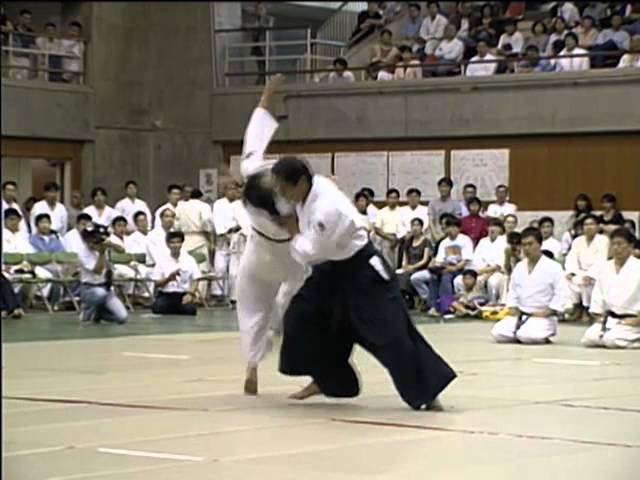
(95, 233)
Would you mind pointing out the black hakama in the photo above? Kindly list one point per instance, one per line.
(346, 302)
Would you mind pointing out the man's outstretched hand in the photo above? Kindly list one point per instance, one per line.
(272, 85)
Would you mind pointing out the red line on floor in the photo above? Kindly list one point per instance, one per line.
(521, 436)
(75, 401)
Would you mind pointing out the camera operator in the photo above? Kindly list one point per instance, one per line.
(99, 301)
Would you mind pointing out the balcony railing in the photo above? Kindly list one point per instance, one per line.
(46, 58)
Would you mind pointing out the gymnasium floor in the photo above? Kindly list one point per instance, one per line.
(159, 399)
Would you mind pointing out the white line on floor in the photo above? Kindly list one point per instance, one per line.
(563, 361)
(19, 453)
(140, 453)
(155, 355)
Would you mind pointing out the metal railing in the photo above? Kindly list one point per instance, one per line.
(436, 69)
(299, 55)
(340, 25)
(32, 56)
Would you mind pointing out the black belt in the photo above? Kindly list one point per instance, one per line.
(522, 319)
(615, 315)
(271, 239)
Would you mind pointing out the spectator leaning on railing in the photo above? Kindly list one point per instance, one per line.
(408, 68)
(566, 62)
(341, 75)
(73, 47)
(631, 59)
(484, 63)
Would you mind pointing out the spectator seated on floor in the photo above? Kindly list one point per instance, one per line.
(454, 255)
(632, 58)
(449, 53)
(512, 37)
(175, 279)
(470, 296)
(408, 68)
(341, 74)
(587, 33)
(483, 64)
(539, 37)
(384, 51)
(566, 61)
(616, 297)
(441, 205)
(532, 63)
(537, 294)
(157, 238)
(417, 254)
(100, 212)
(614, 39)
(411, 28)
(611, 217)
(587, 254)
(559, 31)
(501, 208)
(474, 225)
(98, 300)
(546, 226)
(368, 21)
(488, 261)
(433, 27)
(389, 228)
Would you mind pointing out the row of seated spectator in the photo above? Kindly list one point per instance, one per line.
(43, 55)
(439, 46)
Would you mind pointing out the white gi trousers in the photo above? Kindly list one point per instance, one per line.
(221, 261)
(236, 249)
(535, 330)
(269, 277)
(580, 294)
(197, 242)
(614, 336)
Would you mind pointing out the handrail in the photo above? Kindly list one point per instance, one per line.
(60, 36)
(463, 63)
(261, 29)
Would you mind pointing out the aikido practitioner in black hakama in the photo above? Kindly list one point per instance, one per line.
(352, 296)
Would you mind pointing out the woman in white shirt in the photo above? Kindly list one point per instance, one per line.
(566, 62)
(408, 68)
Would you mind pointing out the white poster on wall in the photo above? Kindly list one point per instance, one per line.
(419, 169)
(362, 169)
(209, 184)
(234, 164)
(321, 163)
(486, 169)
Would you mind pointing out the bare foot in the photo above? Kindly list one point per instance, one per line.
(308, 391)
(251, 381)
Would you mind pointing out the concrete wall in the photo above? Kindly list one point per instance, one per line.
(507, 105)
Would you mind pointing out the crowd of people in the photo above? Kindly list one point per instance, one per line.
(161, 248)
(44, 53)
(481, 39)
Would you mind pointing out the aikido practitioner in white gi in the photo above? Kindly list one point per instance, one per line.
(352, 296)
(267, 276)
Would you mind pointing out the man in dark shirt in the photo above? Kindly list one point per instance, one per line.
(368, 21)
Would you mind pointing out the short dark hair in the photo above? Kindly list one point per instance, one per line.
(340, 61)
(128, 183)
(593, 20)
(177, 235)
(548, 254)
(437, 4)
(547, 220)
(572, 35)
(386, 30)
(625, 234)
(98, 190)
(475, 200)
(360, 195)
(609, 198)
(414, 5)
(197, 194)
(532, 48)
(415, 191)
(42, 216)
(631, 223)
(83, 217)
(391, 191)
(404, 49)
(258, 195)
(50, 24)
(452, 221)
(137, 215)
(165, 210)
(470, 273)
(470, 185)
(590, 216)
(76, 24)
(173, 186)
(496, 222)
(51, 187)
(368, 191)
(9, 183)
(511, 22)
(291, 169)
(12, 212)
(445, 181)
(119, 219)
(532, 232)
(445, 217)
(502, 185)
(514, 238)
(419, 220)
(25, 11)
(536, 23)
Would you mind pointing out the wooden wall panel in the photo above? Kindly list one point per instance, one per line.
(546, 173)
